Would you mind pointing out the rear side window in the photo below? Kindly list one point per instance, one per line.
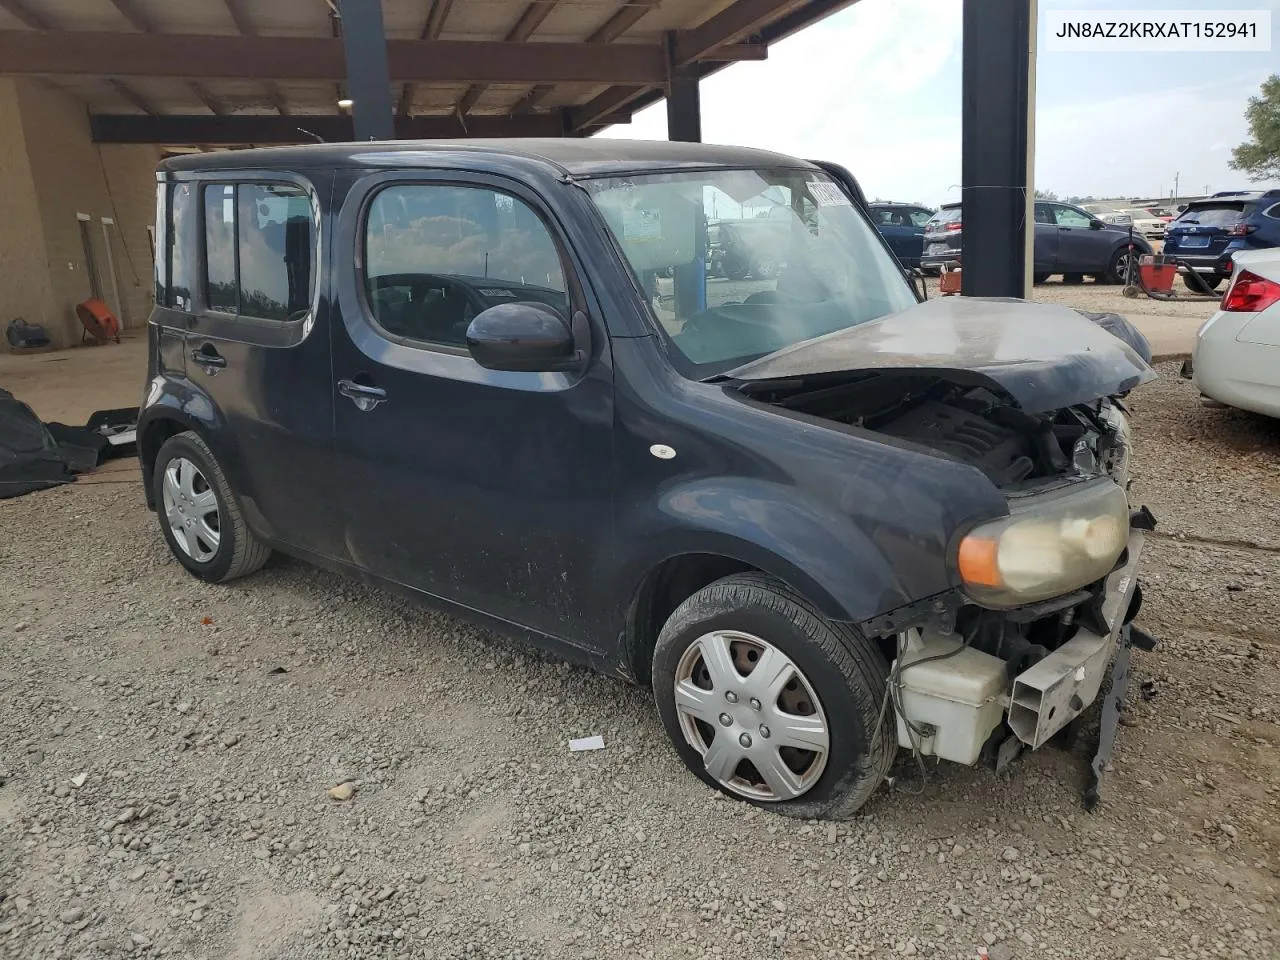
(259, 250)
(920, 217)
(1215, 214)
(1272, 211)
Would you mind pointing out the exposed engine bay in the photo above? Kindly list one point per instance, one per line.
(970, 682)
(971, 423)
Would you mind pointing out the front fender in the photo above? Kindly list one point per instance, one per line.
(851, 574)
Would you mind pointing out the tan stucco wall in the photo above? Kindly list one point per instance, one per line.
(24, 277)
(68, 174)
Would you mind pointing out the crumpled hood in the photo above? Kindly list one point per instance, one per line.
(1043, 355)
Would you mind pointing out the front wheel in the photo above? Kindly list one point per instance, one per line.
(1118, 269)
(199, 514)
(770, 702)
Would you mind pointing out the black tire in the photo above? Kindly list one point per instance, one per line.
(1039, 277)
(736, 268)
(1117, 269)
(846, 671)
(238, 552)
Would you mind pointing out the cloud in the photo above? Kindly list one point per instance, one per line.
(876, 88)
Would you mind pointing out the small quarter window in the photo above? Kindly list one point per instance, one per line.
(220, 248)
(436, 255)
(259, 250)
(181, 262)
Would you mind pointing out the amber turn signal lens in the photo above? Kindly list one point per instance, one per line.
(977, 562)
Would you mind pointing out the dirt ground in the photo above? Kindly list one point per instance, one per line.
(165, 748)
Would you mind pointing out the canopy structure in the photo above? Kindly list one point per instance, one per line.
(200, 73)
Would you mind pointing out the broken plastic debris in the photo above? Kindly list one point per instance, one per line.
(587, 743)
(206, 621)
(276, 671)
(78, 780)
(343, 791)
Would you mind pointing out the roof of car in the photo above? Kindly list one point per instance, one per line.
(1230, 195)
(596, 156)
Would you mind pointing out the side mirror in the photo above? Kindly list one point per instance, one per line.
(523, 336)
(1096, 224)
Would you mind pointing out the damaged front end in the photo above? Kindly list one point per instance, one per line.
(1045, 595)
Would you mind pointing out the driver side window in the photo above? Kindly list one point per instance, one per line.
(438, 254)
(1071, 217)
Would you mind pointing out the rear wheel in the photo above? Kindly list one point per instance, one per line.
(768, 701)
(199, 515)
(1210, 280)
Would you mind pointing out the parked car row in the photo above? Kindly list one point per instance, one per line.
(1068, 241)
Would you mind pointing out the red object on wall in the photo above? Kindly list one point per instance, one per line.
(98, 322)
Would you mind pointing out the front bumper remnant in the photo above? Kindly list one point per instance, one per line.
(1130, 637)
(1054, 691)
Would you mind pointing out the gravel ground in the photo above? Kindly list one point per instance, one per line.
(167, 748)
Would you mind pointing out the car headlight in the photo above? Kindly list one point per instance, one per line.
(1047, 546)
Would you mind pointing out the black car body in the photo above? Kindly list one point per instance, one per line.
(438, 366)
(1068, 241)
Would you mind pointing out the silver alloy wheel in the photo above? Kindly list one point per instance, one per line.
(1122, 267)
(191, 510)
(752, 714)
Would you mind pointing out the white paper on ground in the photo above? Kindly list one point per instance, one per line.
(587, 743)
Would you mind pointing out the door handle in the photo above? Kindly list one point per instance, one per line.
(211, 360)
(364, 397)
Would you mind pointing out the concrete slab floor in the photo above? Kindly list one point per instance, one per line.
(69, 385)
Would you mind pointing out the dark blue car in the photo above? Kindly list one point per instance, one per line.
(1209, 232)
(902, 226)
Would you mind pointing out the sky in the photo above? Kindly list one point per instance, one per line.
(876, 88)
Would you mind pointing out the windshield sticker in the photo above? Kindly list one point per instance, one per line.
(641, 226)
(827, 194)
(495, 292)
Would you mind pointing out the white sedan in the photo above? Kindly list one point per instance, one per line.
(1146, 223)
(1236, 359)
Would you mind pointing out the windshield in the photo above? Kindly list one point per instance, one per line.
(946, 215)
(1214, 214)
(736, 264)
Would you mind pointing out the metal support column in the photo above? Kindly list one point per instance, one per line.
(684, 105)
(997, 133)
(368, 77)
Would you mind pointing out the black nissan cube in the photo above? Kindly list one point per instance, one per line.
(820, 518)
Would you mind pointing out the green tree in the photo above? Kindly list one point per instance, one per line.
(1046, 195)
(1259, 157)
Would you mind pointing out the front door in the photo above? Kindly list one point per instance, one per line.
(1045, 249)
(1080, 247)
(489, 489)
(257, 346)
